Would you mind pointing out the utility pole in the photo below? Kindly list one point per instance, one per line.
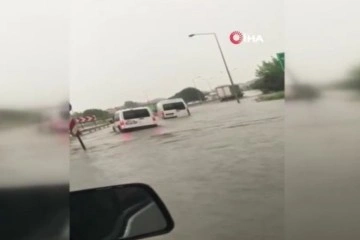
(224, 61)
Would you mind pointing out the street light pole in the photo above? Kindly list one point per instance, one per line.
(223, 58)
(227, 69)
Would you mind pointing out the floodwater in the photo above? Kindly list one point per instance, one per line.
(322, 167)
(220, 172)
(29, 157)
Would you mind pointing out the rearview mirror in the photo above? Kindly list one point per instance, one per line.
(123, 212)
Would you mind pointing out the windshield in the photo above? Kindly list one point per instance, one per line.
(174, 106)
(138, 113)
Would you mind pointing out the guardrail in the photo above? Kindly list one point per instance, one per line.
(98, 125)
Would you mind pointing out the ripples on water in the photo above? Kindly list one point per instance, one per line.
(220, 171)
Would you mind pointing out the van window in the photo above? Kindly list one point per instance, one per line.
(174, 106)
(138, 113)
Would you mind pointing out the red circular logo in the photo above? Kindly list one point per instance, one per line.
(236, 37)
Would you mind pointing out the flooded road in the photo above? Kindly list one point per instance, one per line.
(29, 157)
(322, 167)
(220, 172)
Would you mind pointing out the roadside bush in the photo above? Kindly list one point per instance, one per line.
(270, 77)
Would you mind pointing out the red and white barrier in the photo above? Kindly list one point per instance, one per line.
(86, 119)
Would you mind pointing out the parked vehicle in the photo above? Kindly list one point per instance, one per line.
(134, 118)
(228, 92)
(173, 108)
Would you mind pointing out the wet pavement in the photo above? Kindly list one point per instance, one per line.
(322, 190)
(220, 172)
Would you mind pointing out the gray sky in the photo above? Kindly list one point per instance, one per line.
(110, 51)
(321, 37)
(125, 50)
(33, 53)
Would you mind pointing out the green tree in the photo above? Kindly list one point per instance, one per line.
(270, 77)
(77, 114)
(190, 94)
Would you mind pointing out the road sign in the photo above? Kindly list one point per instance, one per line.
(281, 58)
(86, 119)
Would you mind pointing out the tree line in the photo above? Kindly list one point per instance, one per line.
(188, 94)
(99, 113)
(269, 78)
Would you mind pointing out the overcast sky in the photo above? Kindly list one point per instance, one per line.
(105, 52)
(321, 39)
(128, 50)
(34, 66)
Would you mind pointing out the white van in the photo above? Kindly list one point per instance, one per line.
(134, 118)
(173, 108)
